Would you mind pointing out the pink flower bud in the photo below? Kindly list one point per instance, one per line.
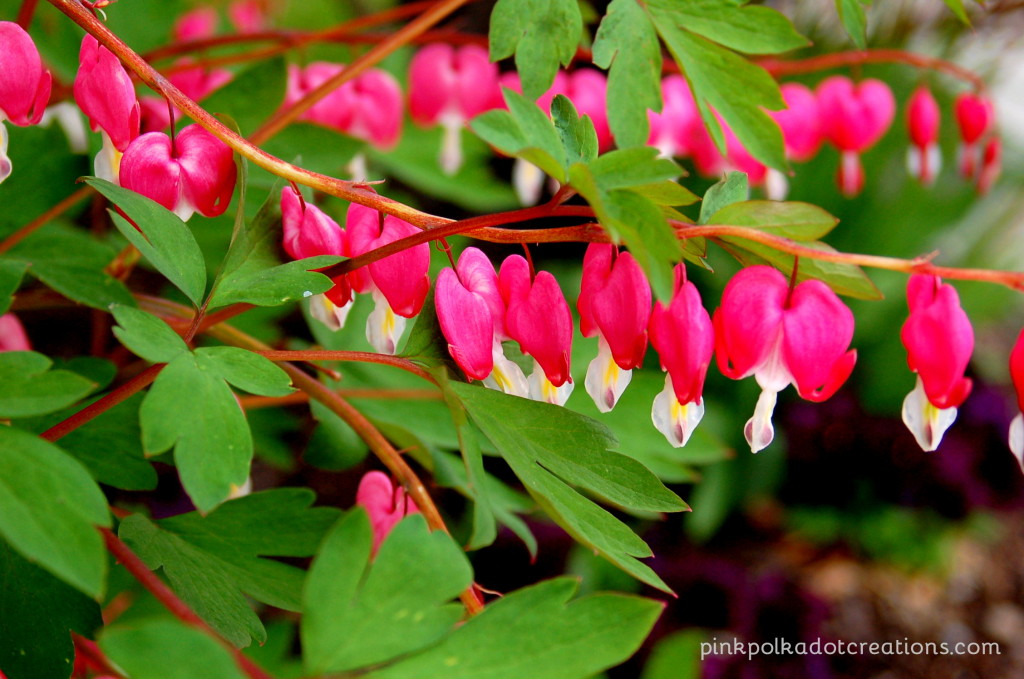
(248, 16)
(104, 92)
(194, 174)
(24, 84)
(923, 119)
(939, 341)
(800, 122)
(538, 318)
(196, 24)
(975, 117)
(12, 334)
(782, 335)
(853, 118)
(384, 504)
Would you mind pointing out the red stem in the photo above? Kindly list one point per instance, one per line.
(357, 356)
(25, 13)
(43, 219)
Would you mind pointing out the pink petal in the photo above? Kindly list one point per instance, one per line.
(466, 323)
(384, 504)
(622, 309)
(816, 332)
(208, 170)
(800, 122)
(12, 334)
(854, 117)
(923, 117)
(148, 169)
(477, 273)
(104, 91)
(24, 85)
(538, 317)
(974, 116)
(402, 277)
(684, 338)
(748, 322)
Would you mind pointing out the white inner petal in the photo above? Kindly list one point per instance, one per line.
(5, 162)
(383, 326)
(759, 431)
(108, 162)
(541, 389)
(506, 375)
(528, 180)
(328, 313)
(1017, 439)
(772, 374)
(926, 422)
(451, 143)
(605, 379)
(675, 420)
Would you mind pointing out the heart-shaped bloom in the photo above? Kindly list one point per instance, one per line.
(471, 314)
(854, 117)
(385, 504)
(975, 117)
(194, 173)
(12, 334)
(782, 335)
(1017, 375)
(24, 83)
(448, 86)
(538, 318)
(399, 283)
(800, 122)
(684, 338)
(923, 117)
(939, 340)
(615, 305)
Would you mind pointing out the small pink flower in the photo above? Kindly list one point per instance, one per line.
(1017, 375)
(399, 282)
(448, 86)
(195, 173)
(248, 16)
(939, 341)
(684, 338)
(923, 159)
(991, 164)
(975, 117)
(24, 83)
(782, 335)
(615, 305)
(538, 318)
(384, 504)
(12, 334)
(800, 122)
(854, 118)
(196, 24)
(104, 92)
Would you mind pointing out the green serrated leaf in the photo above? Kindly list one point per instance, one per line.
(146, 336)
(211, 561)
(579, 139)
(751, 29)
(627, 46)
(11, 273)
(161, 236)
(541, 33)
(852, 14)
(798, 221)
(537, 632)
(30, 388)
(248, 371)
(193, 410)
(549, 447)
(162, 648)
(734, 188)
(355, 616)
(526, 132)
(666, 193)
(626, 168)
(37, 612)
(63, 539)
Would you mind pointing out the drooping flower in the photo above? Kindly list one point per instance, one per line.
(448, 86)
(385, 504)
(923, 158)
(538, 318)
(194, 173)
(12, 334)
(782, 335)
(24, 85)
(248, 16)
(800, 123)
(854, 117)
(939, 340)
(471, 314)
(399, 283)
(684, 338)
(991, 164)
(1017, 424)
(615, 305)
(104, 92)
(195, 24)
(975, 117)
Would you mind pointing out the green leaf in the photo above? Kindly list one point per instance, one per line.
(31, 388)
(161, 236)
(191, 409)
(798, 221)
(146, 336)
(248, 94)
(248, 371)
(677, 656)
(525, 132)
(578, 136)
(957, 7)
(751, 29)
(536, 632)
(549, 447)
(37, 475)
(36, 613)
(11, 273)
(666, 192)
(851, 13)
(166, 649)
(627, 46)
(334, 445)
(212, 562)
(736, 88)
(844, 279)
(541, 33)
(626, 168)
(734, 188)
(359, 612)
(72, 262)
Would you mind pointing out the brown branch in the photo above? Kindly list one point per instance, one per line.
(357, 356)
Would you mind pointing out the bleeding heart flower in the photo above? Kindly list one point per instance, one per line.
(538, 318)
(782, 335)
(196, 24)
(854, 118)
(248, 16)
(800, 122)
(975, 117)
(12, 334)
(684, 338)
(384, 504)
(991, 164)
(939, 341)
(1017, 375)
(24, 85)
(448, 86)
(923, 158)
(194, 173)
(615, 305)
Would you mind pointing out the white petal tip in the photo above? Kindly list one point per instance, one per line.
(927, 423)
